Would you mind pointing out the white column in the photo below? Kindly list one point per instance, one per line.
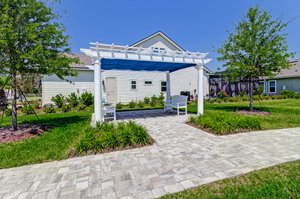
(200, 89)
(168, 96)
(98, 92)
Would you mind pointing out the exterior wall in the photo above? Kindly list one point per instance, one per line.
(292, 84)
(183, 80)
(52, 85)
(159, 42)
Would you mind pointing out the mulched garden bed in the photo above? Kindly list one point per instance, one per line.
(255, 112)
(25, 131)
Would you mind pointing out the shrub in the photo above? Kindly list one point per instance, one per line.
(234, 99)
(226, 99)
(87, 98)
(81, 107)
(258, 91)
(49, 109)
(266, 97)
(73, 100)
(161, 99)
(242, 94)
(27, 110)
(226, 123)
(222, 94)
(66, 108)
(245, 98)
(35, 104)
(132, 104)
(35, 90)
(59, 100)
(7, 112)
(211, 101)
(256, 97)
(219, 100)
(146, 100)
(141, 104)
(107, 136)
(153, 101)
(119, 105)
(289, 94)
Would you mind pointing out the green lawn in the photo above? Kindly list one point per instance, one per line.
(52, 145)
(285, 113)
(281, 181)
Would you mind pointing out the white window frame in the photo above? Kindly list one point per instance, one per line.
(164, 86)
(147, 80)
(269, 86)
(158, 49)
(132, 84)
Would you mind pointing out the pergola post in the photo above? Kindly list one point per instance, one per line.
(200, 89)
(98, 92)
(168, 97)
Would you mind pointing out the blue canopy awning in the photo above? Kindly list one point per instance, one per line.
(136, 65)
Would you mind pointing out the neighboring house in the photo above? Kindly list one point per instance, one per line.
(287, 79)
(125, 86)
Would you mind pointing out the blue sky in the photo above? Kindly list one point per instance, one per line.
(196, 25)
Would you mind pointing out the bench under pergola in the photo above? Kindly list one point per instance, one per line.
(115, 57)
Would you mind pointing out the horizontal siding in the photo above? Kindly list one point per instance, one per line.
(50, 89)
(183, 80)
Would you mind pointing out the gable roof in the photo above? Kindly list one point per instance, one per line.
(159, 33)
(294, 71)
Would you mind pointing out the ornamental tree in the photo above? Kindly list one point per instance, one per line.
(32, 42)
(257, 48)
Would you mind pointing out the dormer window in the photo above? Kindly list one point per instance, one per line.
(158, 50)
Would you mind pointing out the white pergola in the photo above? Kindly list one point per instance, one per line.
(116, 57)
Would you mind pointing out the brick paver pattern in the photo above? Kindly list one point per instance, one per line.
(182, 157)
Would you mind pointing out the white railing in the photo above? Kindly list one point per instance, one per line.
(99, 50)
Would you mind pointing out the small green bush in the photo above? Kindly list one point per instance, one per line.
(66, 108)
(87, 98)
(219, 100)
(289, 94)
(59, 100)
(27, 110)
(146, 100)
(242, 94)
(73, 100)
(49, 109)
(153, 101)
(234, 99)
(211, 100)
(107, 136)
(222, 94)
(132, 104)
(226, 123)
(141, 104)
(256, 97)
(266, 97)
(7, 112)
(161, 99)
(81, 107)
(245, 98)
(119, 105)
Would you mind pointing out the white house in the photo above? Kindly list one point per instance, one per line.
(126, 85)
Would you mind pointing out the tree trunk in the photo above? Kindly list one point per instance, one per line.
(14, 101)
(251, 95)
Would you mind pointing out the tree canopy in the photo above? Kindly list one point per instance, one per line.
(32, 42)
(257, 48)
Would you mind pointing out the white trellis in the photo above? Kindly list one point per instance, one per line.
(99, 51)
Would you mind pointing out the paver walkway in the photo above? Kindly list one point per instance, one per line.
(182, 157)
